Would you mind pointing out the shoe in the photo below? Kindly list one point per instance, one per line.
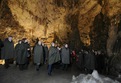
(37, 69)
(6, 66)
(49, 74)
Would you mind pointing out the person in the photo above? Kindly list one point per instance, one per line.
(46, 53)
(38, 55)
(21, 54)
(81, 60)
(28, 54)
(18, 52)
(89, 62)
(74, 56)
(57, 64)
(52, 58)
(100, 62)
(65, 54)
(1, 45)
(8, 51)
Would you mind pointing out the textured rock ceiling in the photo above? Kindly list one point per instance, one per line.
(67, 20)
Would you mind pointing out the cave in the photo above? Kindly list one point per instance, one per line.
(83, 24)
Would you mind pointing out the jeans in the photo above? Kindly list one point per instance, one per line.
(49, 69)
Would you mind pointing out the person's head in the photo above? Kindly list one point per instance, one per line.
(53, 44)
(39, 42)
(56, 45)
(10, 38)
(86, 52)
(25, 40)
(58, 48)
(93, 51)
(99, 52)
(66, 45)
(19, 41)
(43, 44)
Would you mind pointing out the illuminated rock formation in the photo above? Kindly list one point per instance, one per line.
(64, 21)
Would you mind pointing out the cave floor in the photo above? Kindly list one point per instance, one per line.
(14, 75)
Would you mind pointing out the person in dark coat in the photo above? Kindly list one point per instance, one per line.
(100, 62)
(65, 54)
(38, 55)
(18, 52)
(53, 57)
(1, 45)
(46, 53)
(57, 65)
(44, 56)
(21, 55)
(89, 62)
(81, 59)
(8, 51)
(27, 47)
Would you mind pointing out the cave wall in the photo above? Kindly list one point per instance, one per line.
(99, 32)
(8, 25)
(80, 23)
(112, 9)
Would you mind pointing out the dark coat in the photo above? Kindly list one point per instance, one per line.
(8, 51)
(46, 51)
(54, 55)
(65, 54)
(17, 52)
(38, 54)
(27, 46)
(90, 61)
(21, 53)
(81, 59)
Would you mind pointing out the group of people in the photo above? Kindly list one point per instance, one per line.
(92, 60)
(40, 54)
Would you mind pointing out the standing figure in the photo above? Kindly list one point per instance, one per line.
(53, 57)
(38, 55)
(18, 52)
(89, 61)
(44, 56)
(28, 54)
(58, 57)
(65, 54)
(81, 60)
(8, 51)
(101, 62)
(46, 53)
(21, 54)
